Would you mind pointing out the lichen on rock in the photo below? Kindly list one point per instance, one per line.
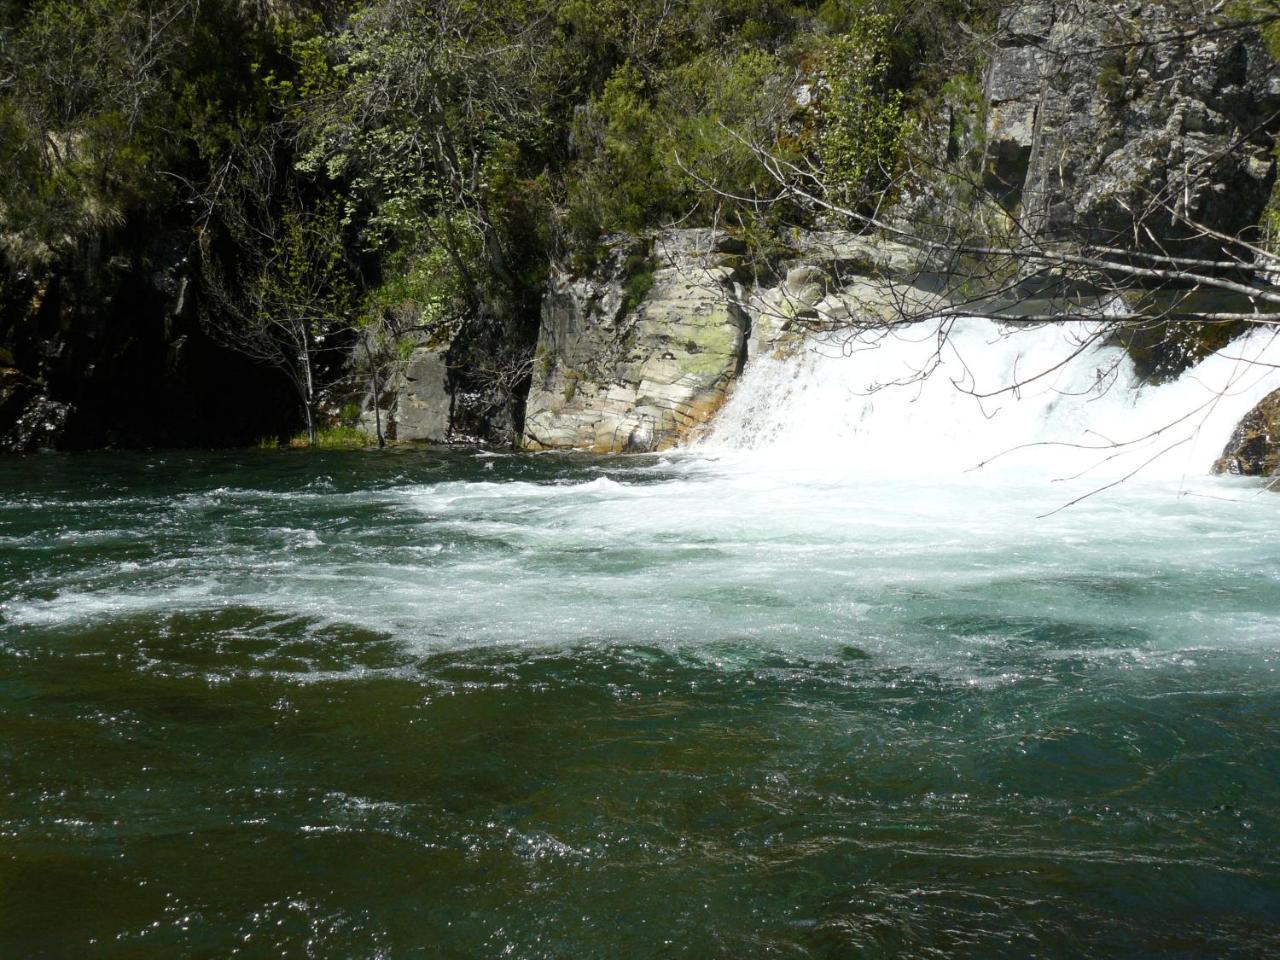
(612, 375)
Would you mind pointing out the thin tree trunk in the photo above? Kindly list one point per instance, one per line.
(311, 425)
(377, 393)
(304, 359)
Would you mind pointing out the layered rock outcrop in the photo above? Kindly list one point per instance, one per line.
(623, 366)
(615, 372)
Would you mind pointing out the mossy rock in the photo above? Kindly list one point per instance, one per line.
(1254, 447)
(1162, 350)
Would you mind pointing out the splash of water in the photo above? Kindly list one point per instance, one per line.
(948, 397)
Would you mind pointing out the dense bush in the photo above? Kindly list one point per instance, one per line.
(457, 147)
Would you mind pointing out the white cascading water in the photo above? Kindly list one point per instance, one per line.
(841, 495)
(1048, 402)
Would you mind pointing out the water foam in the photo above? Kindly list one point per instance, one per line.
(947, 397)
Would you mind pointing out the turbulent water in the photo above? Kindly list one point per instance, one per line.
(843, 680)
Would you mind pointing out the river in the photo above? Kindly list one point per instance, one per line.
(852, 677)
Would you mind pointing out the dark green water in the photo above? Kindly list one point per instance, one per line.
(417, 704)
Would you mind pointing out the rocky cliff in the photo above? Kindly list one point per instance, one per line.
(620, 367)
(1121, 124)
(620, 372)
(1090, 122)
(1097, 124)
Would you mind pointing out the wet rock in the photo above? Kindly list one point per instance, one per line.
(1254, 447)
(30, 419)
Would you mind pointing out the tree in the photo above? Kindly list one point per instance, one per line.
(288, 298)
(81, 91)
(1141, 261)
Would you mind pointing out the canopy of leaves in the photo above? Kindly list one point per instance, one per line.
(462, 146)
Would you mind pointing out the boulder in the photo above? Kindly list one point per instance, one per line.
(421, 403)
(29, 419)
(1254, 447)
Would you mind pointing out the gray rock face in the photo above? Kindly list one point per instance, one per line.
(424, 402)
(416, 404)
(839, 279)
(447, 391)
(1090, 128)
(613, 376)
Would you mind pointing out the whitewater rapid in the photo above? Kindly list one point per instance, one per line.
(935, 400)
(837, 490)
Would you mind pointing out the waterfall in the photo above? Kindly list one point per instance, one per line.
(950, 397)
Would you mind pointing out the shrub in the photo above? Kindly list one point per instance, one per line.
(862, 127)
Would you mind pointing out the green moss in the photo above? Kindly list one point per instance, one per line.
(543, 364)
(1269, 222)
(1111, 81)
(334, 438)
(634, 290)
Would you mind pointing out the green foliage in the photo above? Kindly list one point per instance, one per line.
(377, 174)
(638, 269)
(304, 283)
(75, 122)
(862, 124)
(334, 437)
(114, 109)
(1261, 12)
(962, 97)
(651, 153)
(623, 180)
(422, 287)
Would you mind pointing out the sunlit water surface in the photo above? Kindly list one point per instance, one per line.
(429, 704)
(718, 704)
